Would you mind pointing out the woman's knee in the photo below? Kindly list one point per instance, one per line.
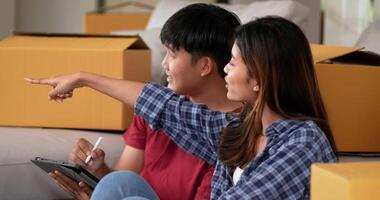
(121, 184)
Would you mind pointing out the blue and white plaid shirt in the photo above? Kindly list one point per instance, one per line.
(281, 171)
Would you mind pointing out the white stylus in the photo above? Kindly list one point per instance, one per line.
(95, 146)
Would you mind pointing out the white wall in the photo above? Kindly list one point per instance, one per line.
(345, 20)
(377, 9)
(7, 17)
(57, 16)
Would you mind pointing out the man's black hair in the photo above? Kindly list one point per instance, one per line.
(202, 30)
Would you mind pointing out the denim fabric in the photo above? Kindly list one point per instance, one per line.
(124, 185)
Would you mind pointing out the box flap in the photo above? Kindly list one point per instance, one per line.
(359, 58)
(73, 41)
(353, 170)
(325, 52)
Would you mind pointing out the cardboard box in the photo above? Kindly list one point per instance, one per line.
(349, 80)
(105, 23)
(40, 56)
(345, 181)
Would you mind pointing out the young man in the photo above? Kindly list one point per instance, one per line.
(198, 39)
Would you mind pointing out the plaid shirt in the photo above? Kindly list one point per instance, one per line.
(281, 171)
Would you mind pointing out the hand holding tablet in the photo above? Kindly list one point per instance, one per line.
(63, 171)
(75, 172)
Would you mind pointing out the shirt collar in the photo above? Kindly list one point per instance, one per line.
(280, 126)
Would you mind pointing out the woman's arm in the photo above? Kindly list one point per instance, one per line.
(194, 127)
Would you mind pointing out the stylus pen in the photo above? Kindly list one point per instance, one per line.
(95, 146)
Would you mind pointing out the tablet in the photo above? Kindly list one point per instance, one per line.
(74, 171)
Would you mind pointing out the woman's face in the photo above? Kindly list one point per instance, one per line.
(182, 73)
(240, 86)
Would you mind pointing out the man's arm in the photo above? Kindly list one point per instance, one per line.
(63, 86)
(131, 159)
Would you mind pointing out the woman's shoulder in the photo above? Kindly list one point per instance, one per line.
(306, 136)
(299, 131)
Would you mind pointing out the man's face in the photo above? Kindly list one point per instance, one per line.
(183, 75)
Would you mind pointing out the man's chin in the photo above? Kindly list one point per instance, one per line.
(173, 88)
(176, 90)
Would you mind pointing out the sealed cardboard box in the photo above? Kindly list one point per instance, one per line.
(37, 56)
(349, 80)
(345, 181)
(105, 23)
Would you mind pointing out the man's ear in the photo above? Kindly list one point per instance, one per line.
(206, 65)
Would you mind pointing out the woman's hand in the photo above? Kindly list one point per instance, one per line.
(63, 86)
(79, 191)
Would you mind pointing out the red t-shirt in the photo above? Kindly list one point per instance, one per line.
(172, 172)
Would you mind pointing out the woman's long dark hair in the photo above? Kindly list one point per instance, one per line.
(278, 56)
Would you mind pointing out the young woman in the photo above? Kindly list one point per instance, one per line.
(263, 153)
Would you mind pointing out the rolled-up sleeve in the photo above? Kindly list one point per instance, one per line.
(194, 127)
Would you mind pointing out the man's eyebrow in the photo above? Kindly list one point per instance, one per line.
(171, 48)
(168, 46)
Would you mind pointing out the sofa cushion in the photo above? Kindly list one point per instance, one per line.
(166, 8)
(288, 9)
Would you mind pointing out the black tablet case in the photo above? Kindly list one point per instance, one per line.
(71, 170)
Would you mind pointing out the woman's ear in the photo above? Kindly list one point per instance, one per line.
(206, 66)
(254, 84)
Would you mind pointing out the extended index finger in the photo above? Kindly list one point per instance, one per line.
(39, 81)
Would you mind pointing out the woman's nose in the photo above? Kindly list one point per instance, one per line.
(225, 69)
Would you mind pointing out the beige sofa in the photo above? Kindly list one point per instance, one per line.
(20, 179)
